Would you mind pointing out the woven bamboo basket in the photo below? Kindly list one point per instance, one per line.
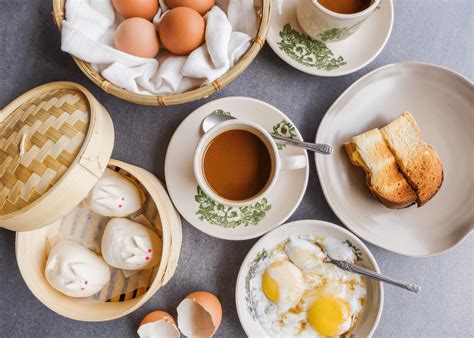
(173, 99)
(55, 143)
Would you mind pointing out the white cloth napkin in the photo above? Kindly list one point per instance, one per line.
(89, 29)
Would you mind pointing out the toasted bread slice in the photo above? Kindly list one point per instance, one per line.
(417, 160)
(370, 152)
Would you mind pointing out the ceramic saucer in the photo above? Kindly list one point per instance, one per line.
(442, 102)
(366, 323)
(218, 220)
(325, 58)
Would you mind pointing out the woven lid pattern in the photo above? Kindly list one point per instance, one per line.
(38, 143)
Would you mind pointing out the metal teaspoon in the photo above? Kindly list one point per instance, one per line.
(213, 120)
(366, 272)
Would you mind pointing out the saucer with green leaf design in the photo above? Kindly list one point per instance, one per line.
(323, 56)
(219, 220)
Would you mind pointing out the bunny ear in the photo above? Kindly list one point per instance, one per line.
(52, 262)
(136, 259)
(138, 251)
(110, 189)
(107, 202)
(127, 254)
(74, 285)
(79, 269)
(142, 242)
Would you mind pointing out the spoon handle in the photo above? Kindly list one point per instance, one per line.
(316, 147)
(375, 275)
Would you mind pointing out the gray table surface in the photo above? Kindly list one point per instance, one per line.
(434, 31)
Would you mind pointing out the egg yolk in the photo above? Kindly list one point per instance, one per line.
(327, 314)
(270, 287)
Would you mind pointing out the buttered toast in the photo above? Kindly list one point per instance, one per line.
(400, 167)
(416, 159)
(370, 152)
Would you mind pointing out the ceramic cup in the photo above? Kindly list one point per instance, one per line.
(320, 23)
(278, 162)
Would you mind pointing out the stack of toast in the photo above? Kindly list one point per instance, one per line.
(401, 169)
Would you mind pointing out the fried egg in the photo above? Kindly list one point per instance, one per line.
(293, 292)
(282, 283)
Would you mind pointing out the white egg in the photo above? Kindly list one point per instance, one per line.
(304, 254)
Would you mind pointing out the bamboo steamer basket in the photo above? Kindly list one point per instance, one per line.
(55, 143)
(173, 99)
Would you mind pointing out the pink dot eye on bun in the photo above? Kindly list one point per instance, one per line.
(137, 36)
(145, 9)
(182, 30)
(200, 6)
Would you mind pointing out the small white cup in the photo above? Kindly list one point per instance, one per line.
(278, 162)
(320, 23)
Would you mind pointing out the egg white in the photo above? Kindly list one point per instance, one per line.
(338, 283)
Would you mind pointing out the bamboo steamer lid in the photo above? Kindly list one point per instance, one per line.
(55, 143)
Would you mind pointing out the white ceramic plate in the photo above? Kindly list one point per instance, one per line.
(370, 317)
(215, 219)
(334, 58)
(442, 102)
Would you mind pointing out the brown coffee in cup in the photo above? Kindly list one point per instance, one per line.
(237, 165)
(346, 6)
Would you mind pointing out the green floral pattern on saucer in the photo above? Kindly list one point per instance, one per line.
(251, 273)
(356, 250)
(308, 52)
(336, 34)
(229, 217)
(284, 128)
(220, 112)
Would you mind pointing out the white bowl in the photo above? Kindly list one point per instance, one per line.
(367, 322)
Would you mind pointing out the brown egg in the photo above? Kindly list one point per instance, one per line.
(138, 37)
(182, 30)
(146, 9)
(200, 6)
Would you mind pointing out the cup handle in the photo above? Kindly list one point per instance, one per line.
(293, 162)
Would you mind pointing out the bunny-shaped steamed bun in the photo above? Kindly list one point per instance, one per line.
(114, 196)
(130, 246)
(76, 271)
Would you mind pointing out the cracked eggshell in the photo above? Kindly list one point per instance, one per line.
(158, 324)
(199, 314)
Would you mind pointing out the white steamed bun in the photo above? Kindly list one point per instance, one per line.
(130, 246)
(114, 196)
(76, 271)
